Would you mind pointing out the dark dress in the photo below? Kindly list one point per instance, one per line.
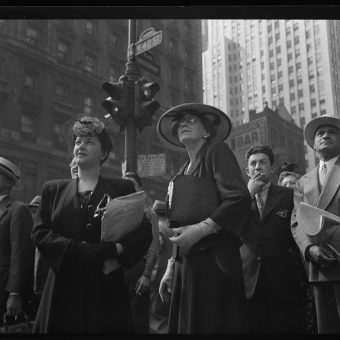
(208, 292)
(78, 297)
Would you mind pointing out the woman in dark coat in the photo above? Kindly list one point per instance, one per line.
(205, 280)
(78, 297)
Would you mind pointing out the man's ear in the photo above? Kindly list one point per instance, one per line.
(247, 172)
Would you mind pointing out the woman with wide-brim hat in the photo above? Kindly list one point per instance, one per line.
(79, 297)
(204, 277)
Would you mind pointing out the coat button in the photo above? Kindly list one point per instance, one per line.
(258, 258)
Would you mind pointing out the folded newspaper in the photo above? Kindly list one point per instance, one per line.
(123, 215)
(321, 226)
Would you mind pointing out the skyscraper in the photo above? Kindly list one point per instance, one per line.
(51, 70)
(290, 62)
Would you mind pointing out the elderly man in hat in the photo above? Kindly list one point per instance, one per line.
(320, 187)
(16, 249)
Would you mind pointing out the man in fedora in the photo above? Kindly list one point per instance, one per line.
(16, 249)
(320, 187)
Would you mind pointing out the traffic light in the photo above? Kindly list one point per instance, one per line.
(146, 104)
(116, 103)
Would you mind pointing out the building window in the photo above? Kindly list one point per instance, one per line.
(61, 92)
(292, 96)
(314, 115)
(27, 124)
(301, 107)
(90, 62)
(293, 110)
(296, 40)
(89, 104)
(90, 27)
(30, 82)
(290, 69)
(300, 93)
(32, 35)
(302, 122)
(63, 50)
(313, 102)
(289, 43)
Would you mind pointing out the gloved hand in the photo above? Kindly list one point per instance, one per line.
(165, 287)
(142, 285)
(189, 235)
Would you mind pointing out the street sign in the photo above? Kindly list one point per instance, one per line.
(148, 40)
(151, 165)
(145, 60)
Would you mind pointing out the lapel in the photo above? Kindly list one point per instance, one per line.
(311, 187)
(255, 211)
(4, 205)
(331, 186)
(273, 197)
(198, 160)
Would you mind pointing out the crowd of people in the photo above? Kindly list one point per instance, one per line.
(218, 255)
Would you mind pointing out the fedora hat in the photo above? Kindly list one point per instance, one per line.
(219, 120)
(11, 171)
(314, 124)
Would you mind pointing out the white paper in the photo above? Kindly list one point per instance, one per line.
(322, 227)
(123, 215)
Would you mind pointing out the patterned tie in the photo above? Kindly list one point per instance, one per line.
(260, 203)
(323, 175)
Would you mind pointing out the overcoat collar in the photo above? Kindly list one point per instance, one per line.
(312, 189)
(197, 162)
(4, 205)
(273, 198)
(331, 186)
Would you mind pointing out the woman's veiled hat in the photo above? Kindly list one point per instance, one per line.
(217, 118)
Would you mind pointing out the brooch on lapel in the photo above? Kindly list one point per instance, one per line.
(282, 213)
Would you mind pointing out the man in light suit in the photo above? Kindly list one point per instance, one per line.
(272, 268)
(16, 249)
(321, 189)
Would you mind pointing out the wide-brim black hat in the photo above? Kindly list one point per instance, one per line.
(218, 118)
(314, 124)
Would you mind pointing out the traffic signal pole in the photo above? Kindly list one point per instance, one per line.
(132, 72)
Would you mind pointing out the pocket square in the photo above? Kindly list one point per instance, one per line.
(282, 213)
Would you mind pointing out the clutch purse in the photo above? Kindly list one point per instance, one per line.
(191, 200)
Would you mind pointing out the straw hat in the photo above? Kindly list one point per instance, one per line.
(11, 171)
(314, 124)
(216, 117)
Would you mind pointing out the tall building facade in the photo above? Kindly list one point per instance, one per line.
(272, 62)
(51, 70)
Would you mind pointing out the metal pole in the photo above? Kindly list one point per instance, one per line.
(132, 71)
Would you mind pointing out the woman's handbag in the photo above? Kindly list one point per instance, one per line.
(16, 324)
(191, 200)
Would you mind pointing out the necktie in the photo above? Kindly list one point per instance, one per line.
(260, 203)
(323, 175)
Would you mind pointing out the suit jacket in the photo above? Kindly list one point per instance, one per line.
(68, 238)
(271, 247)
(16, 249)
(307, 190)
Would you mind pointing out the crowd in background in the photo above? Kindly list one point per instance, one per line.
(243, 267)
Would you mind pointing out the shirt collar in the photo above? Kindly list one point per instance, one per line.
(330, 163)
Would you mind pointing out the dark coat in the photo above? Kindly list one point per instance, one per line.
(276, 250)
(272, 266)
(78, 296)
(208, 292)
(16, 250)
